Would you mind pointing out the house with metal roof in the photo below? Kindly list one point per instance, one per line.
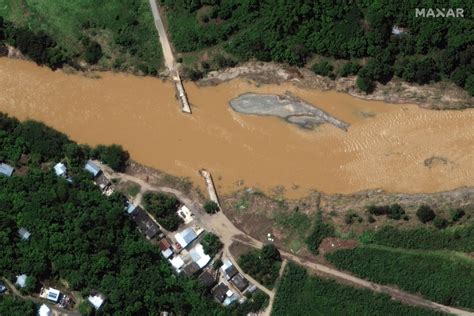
(96, 300)
(92, 168)
(219, 292)
(60, 169)
(44, 310)
(24, 233)
(199, 256)
(240, 282)
(145, 224)
(207, 279)
(53, 295)
(185, 237)
(165, 248)
(6, 170)
(21, 280)
(229, 269)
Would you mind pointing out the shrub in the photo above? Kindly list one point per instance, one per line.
(114, 156)
(320, 231)
(211, 244)
(263, 264)
(457, 214)
(323, 68)
(349, 69)
(93, 52)
(365, 84)
(211, 207)
(425, 214)
(440, 223)
(394, 211)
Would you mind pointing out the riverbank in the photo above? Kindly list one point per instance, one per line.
(439, 96)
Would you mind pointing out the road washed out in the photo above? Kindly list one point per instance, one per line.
(394, 147)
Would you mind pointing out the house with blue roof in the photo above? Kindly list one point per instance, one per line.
(6, 170)
(185, 237)
(92, 168)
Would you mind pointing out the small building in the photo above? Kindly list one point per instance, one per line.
(60, 170)
(102, 182)
(229, 270)
(92, 168)
(44, 310)
(165, 247)
(219, 292)
(230, 298)
(185, 214)
(24, 233)
(185, 237)
(53, 295)
(131, 208)
(145, 224)
(240, 282)
(96, 300)
(191, 269)
(177, 263)
(3, 288)
(199, 256)
(398, 31)
(21, 280)
(207, 279)
(6, 170)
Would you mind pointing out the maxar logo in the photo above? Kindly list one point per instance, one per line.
(439, 13)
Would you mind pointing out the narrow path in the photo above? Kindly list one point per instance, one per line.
(268, 310)
(220, 224)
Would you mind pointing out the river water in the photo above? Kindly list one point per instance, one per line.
(385, 147)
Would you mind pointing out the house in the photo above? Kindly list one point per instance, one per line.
(185, 214)
(240, 282)
(229, 270)
(21, 280)
(53, 295)
(191, 268)
(396, 30)
(44, 310)
(219, 292)
(165, 248)
(3, 288)
(102, 182)
(6, 170)
(207, 279)
(96, 300)
(24, 233)
(145, 224)
(185, 237)
(60, 170)
(199, 256)
(92, 168)
(131, 208)
(177, 263)
(230, 298)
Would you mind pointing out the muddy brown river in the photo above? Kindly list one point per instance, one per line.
(385, 147)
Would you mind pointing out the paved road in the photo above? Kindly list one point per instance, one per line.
(165, 43)
(221, 225)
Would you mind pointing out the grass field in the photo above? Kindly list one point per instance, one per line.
(301, 294)
(124, 29)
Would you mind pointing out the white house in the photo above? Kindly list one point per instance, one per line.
(199, 256)
(96, 300)
(44, 310)
(60, 169)
(21, 280)
(53, 295)
(185, 237)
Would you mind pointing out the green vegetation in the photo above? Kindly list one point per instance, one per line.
(349, 69)
(293, 31)
(394, 211)
(425, 214)
(12, 306)
(301, 294)
(211, 207)
(211, 244)
(114, 156)
(116, 34)
(263, 265)
(449, 281)
(255, 303)
(320, 231)
(294, 221)
(164, 208)
(80, 235)
(453, 238)
(323, 68)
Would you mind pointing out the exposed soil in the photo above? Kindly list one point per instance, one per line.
(441, 95)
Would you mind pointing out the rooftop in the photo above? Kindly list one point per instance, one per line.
(24, 233)
(60, 169)
(240, 282)
(145, 224)
(21, 280)
(44, 310)
(229, 269)
(92, 168)
(207, 279)
(96, 300)
(185, 237)
(53, 294)
(191, 268)
(199, 256)
(6, 170)
(220, 291)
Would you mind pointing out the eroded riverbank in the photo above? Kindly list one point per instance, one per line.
(386, 146)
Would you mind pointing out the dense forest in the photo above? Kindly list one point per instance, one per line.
(77, 234)
(426, 49)
(301, 294)
(117, 34)
(443, 279)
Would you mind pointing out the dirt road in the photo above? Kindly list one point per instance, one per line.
(165, 44)
(220, 225)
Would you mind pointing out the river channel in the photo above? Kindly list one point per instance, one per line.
(398, 148)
